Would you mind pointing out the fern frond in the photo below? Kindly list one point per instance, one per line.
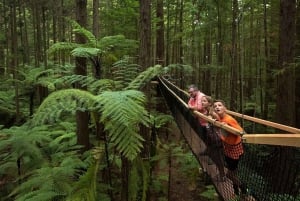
(84, 32)
(68, 100)
(51, 182)
(144, 77)
(85, 52)
(117, 42)
(122, 112)
(71, 79)
(23, 144)
(86, 187)
(158, 119)
(124, 72)
(99, 86)
(6, 101)
(65, 47)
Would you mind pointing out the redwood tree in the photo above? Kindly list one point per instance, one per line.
(285, 105)
(80, 69)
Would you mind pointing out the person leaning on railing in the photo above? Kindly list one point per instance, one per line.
(195, 103)
(232, 144)
(213, 141)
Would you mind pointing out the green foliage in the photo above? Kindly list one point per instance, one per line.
(91, 39)
(118, 45)
(124, 72)
(145, 77)
(122, 112)
(23, 144)
(6, 101)
(209, 193)
(158, 120)
(86, 187)
(85, 52)
(68, 100)
(62, 47)
(44, 160)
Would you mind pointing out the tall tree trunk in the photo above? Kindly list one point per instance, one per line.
(55, 20)
(207, 60)
(168, 34)
(219, 47)
(2, 42)
(298, 69)
(145, 34)
(160, 39)
(268, 77)
(81, 69)
(23, 32)
(234, 57)
(286, 76)
(62, 28)
(14, 54)
(285, 104)
(96, 18)
(144, 62)
(38, 34)
(45, 39)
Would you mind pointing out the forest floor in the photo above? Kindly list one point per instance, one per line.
(194, 187)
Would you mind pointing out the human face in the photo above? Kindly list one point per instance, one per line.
(205, 102)
(192, 92)
(219, 108)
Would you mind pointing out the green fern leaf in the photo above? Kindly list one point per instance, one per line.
(68, 100)
(122, 112)
(85, 52)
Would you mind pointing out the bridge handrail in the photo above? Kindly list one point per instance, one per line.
(282, 139)
(213, 121)
(254, 119)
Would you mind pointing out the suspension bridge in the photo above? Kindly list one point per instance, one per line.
(269, 167)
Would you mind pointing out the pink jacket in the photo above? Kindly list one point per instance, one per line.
(197, 102)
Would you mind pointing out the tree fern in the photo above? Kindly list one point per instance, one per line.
(6, 101)
(122, 112)
(85, 52)
(68, 100)
(143, 78)
(86, 187)
(23, 144)
(49, 183)
(94, 86)
(62, 47)
(91, 39)
(124, 72)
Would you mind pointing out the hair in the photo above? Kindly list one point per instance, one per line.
(211, 111)
(209, 99)
(193, 86)
(221, 101)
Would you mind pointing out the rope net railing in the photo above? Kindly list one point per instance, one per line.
(269, 168)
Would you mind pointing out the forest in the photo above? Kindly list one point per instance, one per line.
(80, 115)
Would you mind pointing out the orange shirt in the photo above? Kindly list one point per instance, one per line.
(231, 138)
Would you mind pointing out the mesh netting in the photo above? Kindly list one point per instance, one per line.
(265, 172)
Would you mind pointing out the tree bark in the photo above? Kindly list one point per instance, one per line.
(297, 102)
(234, 58)
(145, 34)
(80, 69)
(14, 54)
(96, 18)
(285, 104)
(160, 44)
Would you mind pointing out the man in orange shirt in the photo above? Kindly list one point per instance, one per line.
(233, 148)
